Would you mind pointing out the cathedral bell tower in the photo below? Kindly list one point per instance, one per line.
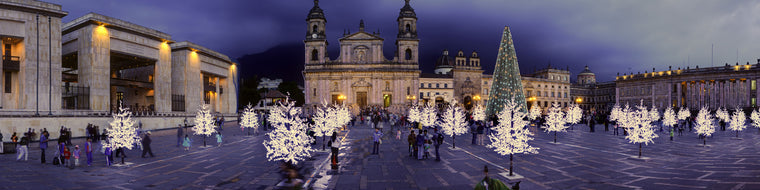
(315, 43)
(407, 43)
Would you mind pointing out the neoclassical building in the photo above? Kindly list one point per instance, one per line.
(79, 72)
(361, 76)
(591, 95)
(727, 86)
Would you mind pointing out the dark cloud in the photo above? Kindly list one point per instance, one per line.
(609, 36)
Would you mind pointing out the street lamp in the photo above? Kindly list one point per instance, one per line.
(476, 98)
(411, 99)
(578, 100)
(341, 98)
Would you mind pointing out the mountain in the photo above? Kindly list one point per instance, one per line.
(284, 61)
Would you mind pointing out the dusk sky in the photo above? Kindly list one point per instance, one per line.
(608, 36)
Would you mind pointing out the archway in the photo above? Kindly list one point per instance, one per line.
(467, 102)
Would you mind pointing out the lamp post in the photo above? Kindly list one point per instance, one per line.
(476, 98)
(341, 98)
(411, 99)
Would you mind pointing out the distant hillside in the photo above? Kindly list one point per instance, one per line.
(284, 61)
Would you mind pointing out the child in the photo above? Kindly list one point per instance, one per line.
(186, 143)
(67, 156)
(219, 139)
(398, 134)
(76, 155)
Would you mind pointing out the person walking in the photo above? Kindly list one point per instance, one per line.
(412, 140)
(438, 141)
(376, 139)
(146, 145)
(671, 134)
(179, 135)
(61, 150)
(108, 153)
(23, 148)
(187, 142)
(43, 146)
(420, 145)
(76, 156)
(88, 151)
(334, 147)
(1, 143)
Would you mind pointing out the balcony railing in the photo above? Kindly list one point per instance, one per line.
(11, 63)
(75, 97)
(178, 102)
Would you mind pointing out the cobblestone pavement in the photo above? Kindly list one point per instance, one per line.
(581, 160)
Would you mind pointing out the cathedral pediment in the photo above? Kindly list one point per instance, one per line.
(361, 36)
(361, 83)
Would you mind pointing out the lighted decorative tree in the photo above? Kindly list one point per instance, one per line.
(479, 114)
(507, 81)
(414, 114)
(452, 122)
(683, 114)
(755, 117)
(511, 136)
(738, 120)
(535, 112)
(574, 114)
(427, 115)
(343, 115)
(669, 117)
(555, 120)
(204, 123)
(615, 112)
(288, 141)
(704, 124)
(325, 120)
(639, 126)
(122, 133)
(722, 114)
(249, 119)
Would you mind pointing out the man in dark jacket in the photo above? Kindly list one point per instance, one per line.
(43, 145)
(412, 139)
(179, 135)
(146, 145)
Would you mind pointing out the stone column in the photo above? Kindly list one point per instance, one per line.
(95, 65)
(162, 79)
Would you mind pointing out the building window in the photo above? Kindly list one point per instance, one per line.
(754, 85)
(428, 94)
(446, 85)
(422, 85)
(565, 94)
(314, 55)
(408, 28)
(546, 94)
(421, 94)
(437, 85)
(314, 29)
(546, 104)
(314, 92)
(539, 93)
(552, 94)
(8, 82)
(408, 54)
(486, 82)
(408, 90)
(436, 93)
(430, 85)
(529, 92)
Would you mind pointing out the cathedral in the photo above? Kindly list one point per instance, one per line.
(361, 76)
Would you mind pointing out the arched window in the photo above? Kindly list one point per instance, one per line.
(408, 54)
(408, 28)
(314, 29)
(314, 55)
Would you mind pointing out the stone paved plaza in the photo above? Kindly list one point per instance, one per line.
(581, 160)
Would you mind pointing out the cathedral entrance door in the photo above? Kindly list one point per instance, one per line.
(361, 99)
(467, 103)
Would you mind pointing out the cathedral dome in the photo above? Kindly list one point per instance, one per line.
(586, 71)
(444, 64)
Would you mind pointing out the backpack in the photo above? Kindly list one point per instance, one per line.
(56, 161)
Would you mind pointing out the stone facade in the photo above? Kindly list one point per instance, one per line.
(89, 66)
(30, 34)
(726, 86)
(361, 73)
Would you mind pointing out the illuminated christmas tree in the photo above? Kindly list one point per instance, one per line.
(249, 119)
(204, 123)
(555, 120)
(669, 117)
(427, 115)
(574, 114)
(738, 121)
(479, 114)
(535, 112)
(755, 117)
(288, 142)
(325, 121)
(704, 124)
(452, 122)
(414, 114)
(122, 133)
(639, 125)
(507, 82)
(511, 136)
